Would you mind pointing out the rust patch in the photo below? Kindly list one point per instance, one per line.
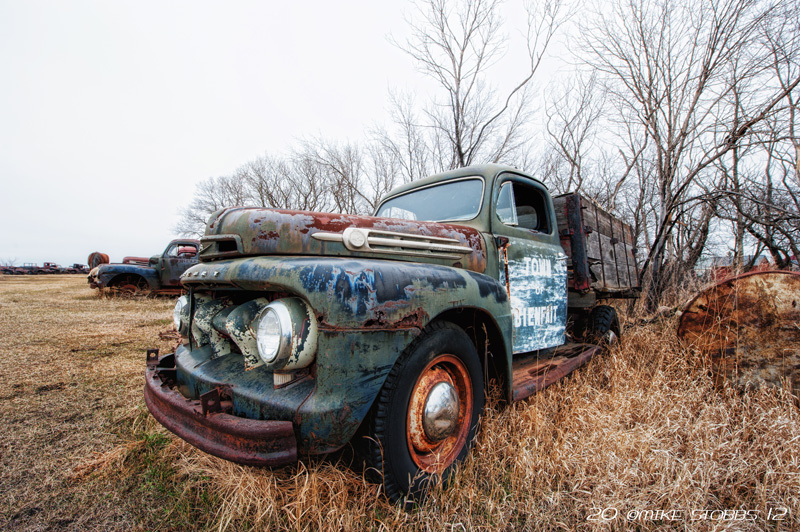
(504, 243)
(750, 327)
(532, 374)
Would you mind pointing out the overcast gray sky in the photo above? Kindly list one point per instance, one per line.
(111, 112)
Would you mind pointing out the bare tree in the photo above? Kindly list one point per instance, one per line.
(341, 167)
(405, 142)
(763, 200)
(761, 177)
(210, 196)
(319, 175)
(667, 63)
(573, 114)
(455, 44)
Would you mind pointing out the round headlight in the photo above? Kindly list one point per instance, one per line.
(177, 313)
(286, 334)
(269, 334)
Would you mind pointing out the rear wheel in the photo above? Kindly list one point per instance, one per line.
(603, 327)
(426, 415)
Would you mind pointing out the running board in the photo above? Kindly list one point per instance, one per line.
(532, 373)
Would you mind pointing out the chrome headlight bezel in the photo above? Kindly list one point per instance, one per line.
(179, 313)
(273, 346)
(294, 344)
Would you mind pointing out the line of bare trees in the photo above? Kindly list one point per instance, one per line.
(318, 175)
(680, 115)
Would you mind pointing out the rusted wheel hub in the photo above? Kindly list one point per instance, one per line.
(127, 289)
(438, 413)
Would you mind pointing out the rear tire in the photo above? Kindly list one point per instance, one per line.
(603, 327)
(426, 416)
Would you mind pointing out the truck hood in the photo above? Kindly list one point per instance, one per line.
(245, 231)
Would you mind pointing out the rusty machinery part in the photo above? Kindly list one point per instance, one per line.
(750, 327)
(426, 415)
(96, 259)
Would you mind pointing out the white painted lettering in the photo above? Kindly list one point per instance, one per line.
(537, 266)
(534, 316)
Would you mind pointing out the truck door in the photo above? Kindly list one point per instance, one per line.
(177, 258)
(533, 265)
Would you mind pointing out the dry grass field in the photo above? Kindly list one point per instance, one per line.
(640, 430)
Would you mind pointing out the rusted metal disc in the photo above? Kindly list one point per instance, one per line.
(434, 455)
(750, 326)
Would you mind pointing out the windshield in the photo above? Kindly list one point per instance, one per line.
(452, 201)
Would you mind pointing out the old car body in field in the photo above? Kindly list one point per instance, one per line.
(302, 330)
(159, 274)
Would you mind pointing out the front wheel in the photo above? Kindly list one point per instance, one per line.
(426, 415)
(129, 285)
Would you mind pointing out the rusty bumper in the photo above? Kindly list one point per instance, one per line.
(241, 440)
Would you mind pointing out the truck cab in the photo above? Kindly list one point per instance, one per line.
(179, 256)
(515, 215)
(303, 331)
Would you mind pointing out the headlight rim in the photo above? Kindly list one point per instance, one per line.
(286, 333)
(178, 313)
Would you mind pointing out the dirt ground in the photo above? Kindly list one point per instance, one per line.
(639, 439)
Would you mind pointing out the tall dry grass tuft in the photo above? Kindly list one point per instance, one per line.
(641, 428)
(310, 496)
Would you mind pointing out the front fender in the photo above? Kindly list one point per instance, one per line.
(368, 311)
(106, 273)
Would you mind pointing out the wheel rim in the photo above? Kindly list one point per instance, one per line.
(436, 428)
(128, 289)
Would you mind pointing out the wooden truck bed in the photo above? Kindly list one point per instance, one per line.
(600, 247)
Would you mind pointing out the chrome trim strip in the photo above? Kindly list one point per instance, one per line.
(328, 237)
(376, 241)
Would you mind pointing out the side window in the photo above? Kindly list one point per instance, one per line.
(505, 204)
(523, 206)
(182, 251)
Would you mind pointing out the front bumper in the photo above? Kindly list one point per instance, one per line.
(210, 428)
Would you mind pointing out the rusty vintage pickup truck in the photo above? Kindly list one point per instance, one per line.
(303, 331)
(160, 274)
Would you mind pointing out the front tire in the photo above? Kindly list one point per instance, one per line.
(129, 286)
(426, 415)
